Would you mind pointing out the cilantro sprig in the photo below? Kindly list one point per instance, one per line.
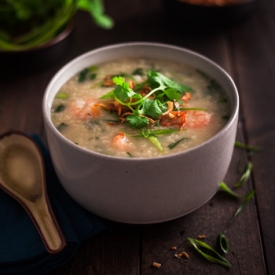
(150, 106)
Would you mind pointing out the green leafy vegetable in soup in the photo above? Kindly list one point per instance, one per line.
(140, 108)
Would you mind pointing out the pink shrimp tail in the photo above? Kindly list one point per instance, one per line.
(197, 119)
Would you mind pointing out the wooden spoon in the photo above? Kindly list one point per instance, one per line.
(22, 176)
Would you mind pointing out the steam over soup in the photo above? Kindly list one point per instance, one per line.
(140, 108)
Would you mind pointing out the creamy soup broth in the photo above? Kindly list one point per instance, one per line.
(75, 115)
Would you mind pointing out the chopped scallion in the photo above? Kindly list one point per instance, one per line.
(225, 117)
(193, 109)
(83, 74)
(61, 126)
(217, 259)
(251, 149)
(62, 95)
(174, 144)
(226, 189)
(247, 198)
(223, 243)
(156, 142)
(245, 176)
(93, 76)
(60, 108)
(93, 69)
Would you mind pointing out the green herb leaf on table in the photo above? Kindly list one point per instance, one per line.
(244, 178)
(216, 259)
(223, 243)
(247, 198)
(251, 149)
(225, 188)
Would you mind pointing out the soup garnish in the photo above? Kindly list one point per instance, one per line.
(126, 113)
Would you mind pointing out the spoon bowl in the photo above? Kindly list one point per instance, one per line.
(22, 176)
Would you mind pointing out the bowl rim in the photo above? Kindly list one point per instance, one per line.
(234, 114)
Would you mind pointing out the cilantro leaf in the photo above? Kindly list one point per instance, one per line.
(137, 121)
(150, 108)
(157, 79)
(172, 94)
(123, 90)
(119, 80)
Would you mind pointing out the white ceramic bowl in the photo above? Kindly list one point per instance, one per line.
(142, 190)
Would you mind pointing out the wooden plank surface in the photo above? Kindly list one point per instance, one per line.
(256, 52)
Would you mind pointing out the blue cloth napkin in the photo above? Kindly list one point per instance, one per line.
(21, 248)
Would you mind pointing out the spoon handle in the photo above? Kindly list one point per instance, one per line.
(47, 226)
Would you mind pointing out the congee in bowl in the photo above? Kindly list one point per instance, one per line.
(141, 132)
(140, 107)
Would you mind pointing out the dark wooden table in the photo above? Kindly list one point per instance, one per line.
(247, 51)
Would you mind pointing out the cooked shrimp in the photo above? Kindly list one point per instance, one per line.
(84, 109)
(120, 142)
(197, 119)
